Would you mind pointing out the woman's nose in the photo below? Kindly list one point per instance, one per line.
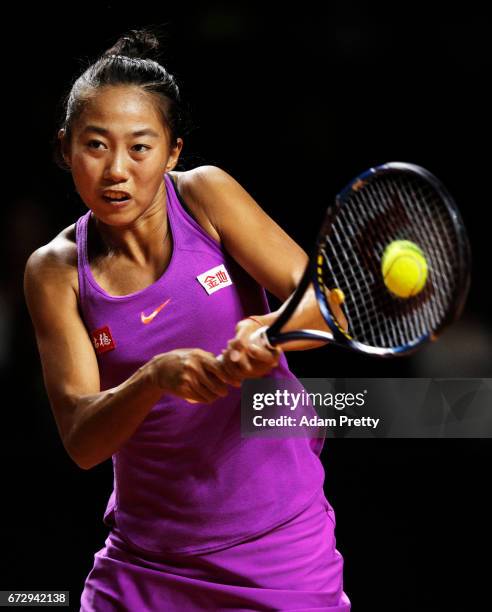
(116, 168)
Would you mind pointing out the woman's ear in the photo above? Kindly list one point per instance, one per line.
(64, 146)
(174, 157)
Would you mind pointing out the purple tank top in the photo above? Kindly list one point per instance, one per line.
(185, 481)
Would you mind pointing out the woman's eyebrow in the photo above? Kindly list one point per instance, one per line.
(104, 131)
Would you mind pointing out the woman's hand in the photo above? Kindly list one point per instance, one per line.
(243, 359)
(193, 374)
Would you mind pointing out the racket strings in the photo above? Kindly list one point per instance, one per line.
(352, 279)
(409, 326)
(435, 309)
(372, 322)
(377, 327)
(403, 220)
(416, 196)
(387, 208)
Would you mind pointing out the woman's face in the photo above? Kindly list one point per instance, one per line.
(105, 153)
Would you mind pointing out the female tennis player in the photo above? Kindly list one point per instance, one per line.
(131, 306)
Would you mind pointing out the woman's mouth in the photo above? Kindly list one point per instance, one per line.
(116, 197)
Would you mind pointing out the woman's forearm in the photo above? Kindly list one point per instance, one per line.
(306, 316)
(104, 421)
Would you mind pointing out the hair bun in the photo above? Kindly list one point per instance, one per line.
(143, 43)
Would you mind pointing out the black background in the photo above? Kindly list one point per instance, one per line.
(293, 104)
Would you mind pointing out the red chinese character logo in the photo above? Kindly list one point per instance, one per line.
(214, 279)
(222, 276)
(103, 340)
(211, 281)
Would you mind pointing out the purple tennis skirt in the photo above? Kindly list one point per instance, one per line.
(295, 566)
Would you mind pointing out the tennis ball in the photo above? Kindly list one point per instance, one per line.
(404, 268)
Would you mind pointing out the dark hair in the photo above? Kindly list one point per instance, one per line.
(132, 60)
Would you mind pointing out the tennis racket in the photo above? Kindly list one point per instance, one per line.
(392, 202)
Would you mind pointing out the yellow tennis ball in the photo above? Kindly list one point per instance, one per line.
(404, 268)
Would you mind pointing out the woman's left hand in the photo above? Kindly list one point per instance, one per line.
(243, 359)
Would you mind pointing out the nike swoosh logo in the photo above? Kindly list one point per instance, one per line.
(148, 318)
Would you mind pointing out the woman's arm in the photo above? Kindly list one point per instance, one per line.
(248, 234)
(260, 246)
(94, 424)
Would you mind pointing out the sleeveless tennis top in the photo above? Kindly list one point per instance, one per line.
(186, 481)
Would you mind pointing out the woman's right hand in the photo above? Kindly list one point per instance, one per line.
(193, 374)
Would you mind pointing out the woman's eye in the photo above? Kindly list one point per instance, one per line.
(93, 144)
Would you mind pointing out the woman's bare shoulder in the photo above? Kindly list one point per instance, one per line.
(57, 258)
(204, 183)
(189, 180)
(189, 187)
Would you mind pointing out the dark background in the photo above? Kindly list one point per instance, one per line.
(292, 104)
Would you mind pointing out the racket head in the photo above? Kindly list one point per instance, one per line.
(393, 201)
